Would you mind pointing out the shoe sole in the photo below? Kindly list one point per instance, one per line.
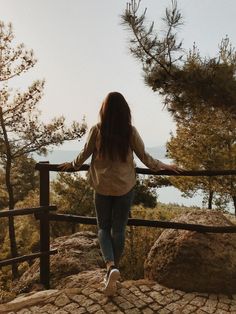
(111, 287)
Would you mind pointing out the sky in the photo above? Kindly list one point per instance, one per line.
(82, 51)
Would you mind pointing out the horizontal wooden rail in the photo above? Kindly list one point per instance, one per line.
(85, 167)
(147, 223)
(24, 258)
(25, 211)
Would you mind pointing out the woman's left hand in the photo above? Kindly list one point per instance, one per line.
(66, 166)
(174, 168)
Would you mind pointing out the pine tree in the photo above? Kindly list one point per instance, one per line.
(21, 131)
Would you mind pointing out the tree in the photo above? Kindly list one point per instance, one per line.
(72, 194)
(186, 80)
(145, 194)
(21, 131)
(206, 142)
(24, 179)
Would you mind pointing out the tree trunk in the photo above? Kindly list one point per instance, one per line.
(210, 198)
(11, 226)
(12, 235)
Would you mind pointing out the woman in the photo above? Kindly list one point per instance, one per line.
(112, 175)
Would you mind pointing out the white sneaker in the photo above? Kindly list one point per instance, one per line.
(111, 279)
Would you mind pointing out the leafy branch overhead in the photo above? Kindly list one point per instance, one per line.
(20, 116)
(185, 79)
(21, 131)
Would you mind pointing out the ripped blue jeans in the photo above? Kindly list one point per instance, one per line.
(112, 215)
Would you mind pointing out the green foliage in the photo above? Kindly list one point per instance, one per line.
(206, 142)
(73, 195)
(27, 240)
(144, 194)
(21, 131)
(24, 179)
(186, 80)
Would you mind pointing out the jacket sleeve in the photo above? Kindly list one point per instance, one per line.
(138, 147)
(87, 150)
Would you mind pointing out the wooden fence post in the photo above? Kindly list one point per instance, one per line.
(44, 228)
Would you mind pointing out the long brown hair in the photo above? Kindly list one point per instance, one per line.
(115, 127)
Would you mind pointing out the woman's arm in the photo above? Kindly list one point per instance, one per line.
(138, 147)
(87, 150)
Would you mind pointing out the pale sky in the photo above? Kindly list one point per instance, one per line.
(82, 52)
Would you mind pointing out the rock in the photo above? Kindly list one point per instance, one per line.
(76, 253)
(192, 261)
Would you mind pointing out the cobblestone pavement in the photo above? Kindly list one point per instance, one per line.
(133, 297)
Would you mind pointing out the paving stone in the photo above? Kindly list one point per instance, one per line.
(131, 298)
(80, 310)
(147, 311)
(35, 309)
(157, 287)
(173, 307)
(155, 306)
(126, 305)
(97, 296)
(109, 307)
(61, 312)
(219, 311)
(144, 288)
(164, 311)
(49, 308)
(124, 291)
(24, 311)
(189, 296)
(94, 308)
(71, 307)
(62, 300)
(87, 302)
(166, 291)
(101, 312)
(211, 303)
(179, 292)
(223, 306)
(198, 301)
(174, 297)
(189, 309)
(88, 291)
(133, 311)
(157, 296)
(208, 309)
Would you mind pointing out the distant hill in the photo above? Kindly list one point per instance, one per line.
(59, 156)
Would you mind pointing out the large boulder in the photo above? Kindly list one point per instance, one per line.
(192, 261)
(76, 253)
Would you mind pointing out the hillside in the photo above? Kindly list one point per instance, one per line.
(59, 156)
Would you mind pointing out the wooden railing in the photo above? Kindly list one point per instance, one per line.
(45, 214)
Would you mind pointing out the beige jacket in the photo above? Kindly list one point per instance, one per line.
(114, 177)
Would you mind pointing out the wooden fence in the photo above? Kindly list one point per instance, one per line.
(45, 213)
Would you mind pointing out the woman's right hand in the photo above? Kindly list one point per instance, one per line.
(174, 168)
